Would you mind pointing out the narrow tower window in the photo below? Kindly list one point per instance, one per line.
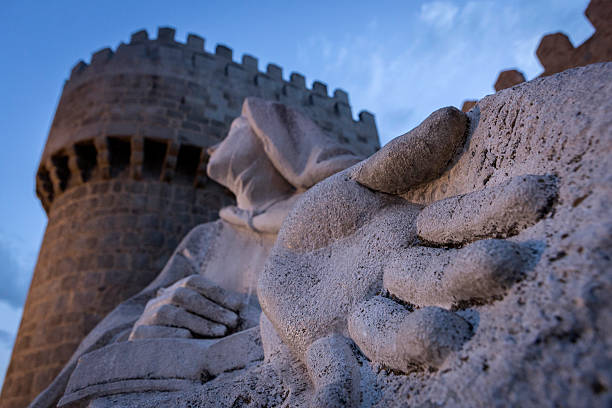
(87, 159)
(187, 163)
(119, 151)
(62, 171)
(45, 180)
(154, 156)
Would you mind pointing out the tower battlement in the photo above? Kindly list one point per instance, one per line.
(190, 59)
(158, 103)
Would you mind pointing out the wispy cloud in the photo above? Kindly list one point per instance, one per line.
(448, 53)
(440, 14)
(15, 271)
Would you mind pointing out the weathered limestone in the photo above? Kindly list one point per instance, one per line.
(406, 341)
(441, 277)
(486, 283)
(495, 212)
(416, 157)
(319, 286)
(271, 155)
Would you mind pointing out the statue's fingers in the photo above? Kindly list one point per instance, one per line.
(157, 332)
(230, 300)
(194, 302)
(174, 316)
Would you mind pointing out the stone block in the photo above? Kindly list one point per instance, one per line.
(139, 37)
(555, 52)
(599, 13)
(101, 57)
(166, 34)
(319, 88)
(249, 63)
(223, 51)
(297, 79)
(195, 42)
(274, 72)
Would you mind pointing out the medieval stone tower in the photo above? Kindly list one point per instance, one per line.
(123, 179)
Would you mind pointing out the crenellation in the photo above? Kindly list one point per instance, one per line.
(78, 68)
(319, 88)
(554, 51)
(204, 62)
(101, 57)
(139, 37)
(171, 54)
(195, 42)
(223, 51)
(250, 63)
(367, 118)
(236, 71)
(343, 110)
(170, 59)
(319, 100)
(297, 79)
(274, 71)
(166, 34)
(341, 96)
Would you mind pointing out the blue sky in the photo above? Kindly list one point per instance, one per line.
(398, 59)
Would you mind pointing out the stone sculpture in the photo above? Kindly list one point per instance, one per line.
(207, 288)
(464, 264)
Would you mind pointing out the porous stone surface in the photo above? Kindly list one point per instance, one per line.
(416, 157)
(541, 328)
(390, 334)
(446, 277)
(500, 211)
(359, 309)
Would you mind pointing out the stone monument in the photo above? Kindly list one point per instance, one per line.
(466, 263)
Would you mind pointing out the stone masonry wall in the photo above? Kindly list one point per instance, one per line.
(212, 86)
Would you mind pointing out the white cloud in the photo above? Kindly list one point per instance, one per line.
(438, 13)
(448, 53)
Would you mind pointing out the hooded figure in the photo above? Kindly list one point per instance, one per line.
(270, 156)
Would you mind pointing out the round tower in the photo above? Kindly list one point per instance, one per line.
(123, 178)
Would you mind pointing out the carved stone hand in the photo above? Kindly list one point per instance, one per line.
(192, 306)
